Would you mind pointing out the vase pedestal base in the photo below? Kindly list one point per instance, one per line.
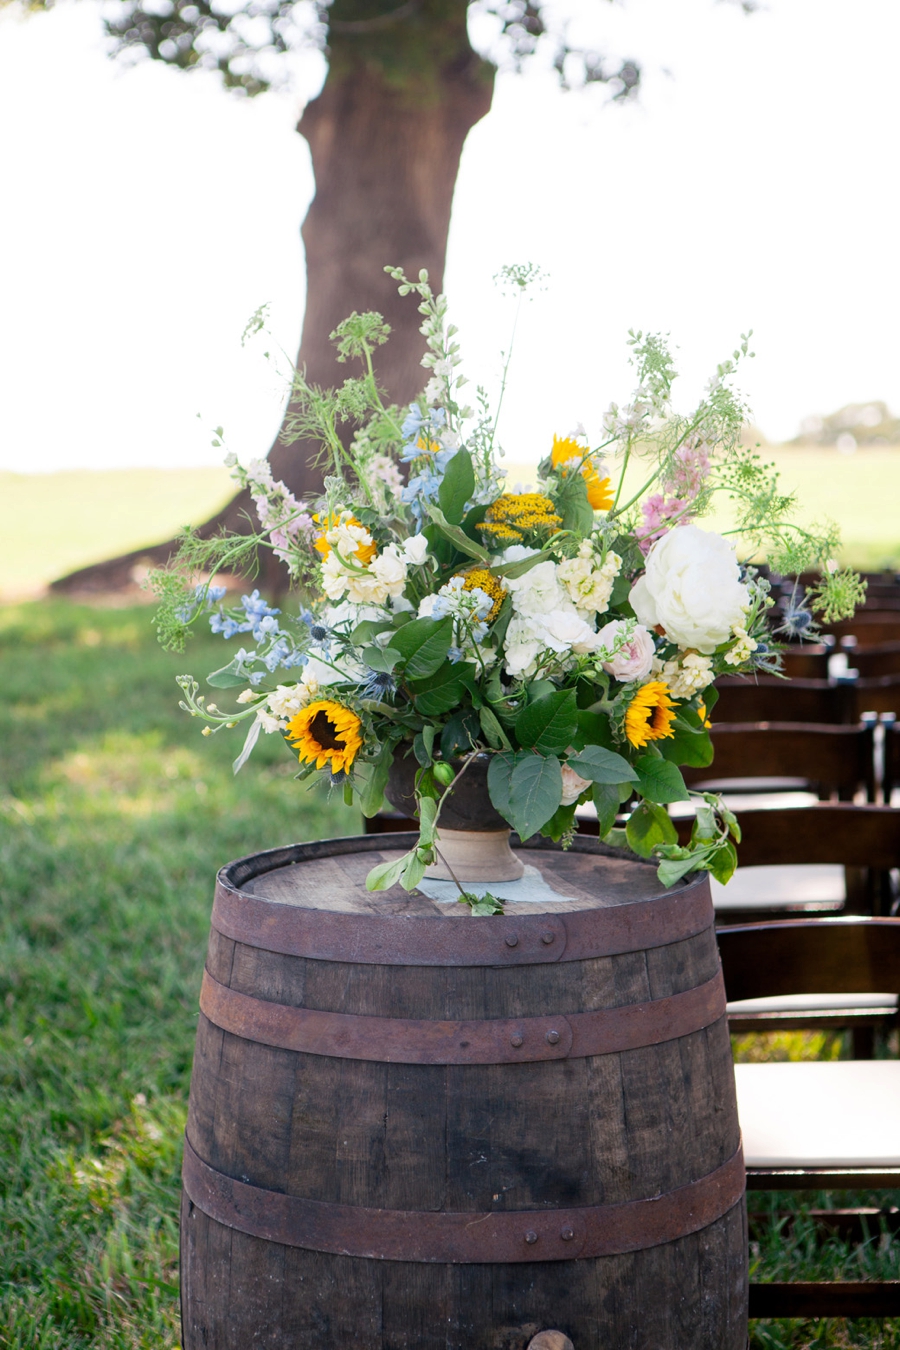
(475, 855)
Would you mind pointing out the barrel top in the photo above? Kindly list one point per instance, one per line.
(331, 875)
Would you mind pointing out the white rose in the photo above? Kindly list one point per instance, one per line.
(565, 631)
(390, 569)
(572, 786)
(633, 657)
(366, 588)
(426, 605)
(691, 588)
(415, 549)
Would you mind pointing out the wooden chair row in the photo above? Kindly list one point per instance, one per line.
(818, 1125)
(768, 698)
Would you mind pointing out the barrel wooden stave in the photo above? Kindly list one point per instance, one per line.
(463, 1137)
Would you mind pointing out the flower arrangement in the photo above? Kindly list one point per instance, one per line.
(571, 631)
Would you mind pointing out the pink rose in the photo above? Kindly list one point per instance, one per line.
(631, 658)
(572, 786)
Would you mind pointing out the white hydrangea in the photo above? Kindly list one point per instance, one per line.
(545, 618)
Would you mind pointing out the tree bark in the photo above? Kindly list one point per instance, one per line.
(385, 134)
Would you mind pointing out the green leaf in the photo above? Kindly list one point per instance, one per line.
(386, 875)
(423, 645)
(723, 862)
(649, 825)
(606, 801)
(615, 839)
(380, 658)
(457, 486)
(671, 870)
(549, 723)
(602, 766)
(414, 870)
(573, 505)
(460, 735)
(482, 904)
(538, 689)
(368, 630)
(494, 734)
(518, 569)
(593, 729)
(427, 813)
(456, 535)
(498, 781)
(535, 789)
(560, 823)
(659, 780)
(228, 677)
(687, 745)
(441, 692)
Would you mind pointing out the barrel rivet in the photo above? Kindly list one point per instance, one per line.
(516, 1039)
(531, 1236)
(567, 1233)
(547, 937)
(512, 939)
(552, 1037)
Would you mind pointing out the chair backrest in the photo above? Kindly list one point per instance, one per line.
(825, 759)
(807, 660)
(890, 780)
(766, 698)
(811, 956)
(869, 627)
(833, 832)
(872, 662)
(880, 694)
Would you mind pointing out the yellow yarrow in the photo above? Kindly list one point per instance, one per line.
(599, 490)
(325, 732)
(483, 580)
(364, 552)
(515, 515)
(650, 714)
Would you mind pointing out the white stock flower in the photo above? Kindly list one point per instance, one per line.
(631, 653)
(335, 577)
(248, 696)
(390, 570)
(287, 700)
(691, 589)
(742, 649)
(572, 786)
(686, 675)
(268, 722)
(588, 585)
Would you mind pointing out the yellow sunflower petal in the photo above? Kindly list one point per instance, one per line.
(650, 714)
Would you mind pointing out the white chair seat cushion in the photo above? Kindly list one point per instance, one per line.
(769, 887)
(843, 1113)
(798, 1003)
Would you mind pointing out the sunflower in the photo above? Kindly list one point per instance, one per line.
(325, 732)
(650, 714)
(515, 515)
(365, 551)
(485, 581)
(599, 490)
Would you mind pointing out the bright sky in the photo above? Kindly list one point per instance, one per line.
(147, 213)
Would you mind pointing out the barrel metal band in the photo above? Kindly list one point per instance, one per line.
(470, 1238)
(504, 1040)
(441, 940)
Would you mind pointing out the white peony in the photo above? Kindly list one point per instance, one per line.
(632, 655)
(691, 589)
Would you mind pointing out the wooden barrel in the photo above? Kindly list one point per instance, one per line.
(411, 1128)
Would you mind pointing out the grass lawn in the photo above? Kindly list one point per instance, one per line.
(114, 816)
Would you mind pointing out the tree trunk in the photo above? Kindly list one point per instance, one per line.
(386, 134)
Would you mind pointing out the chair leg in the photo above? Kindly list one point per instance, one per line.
(863, 1042)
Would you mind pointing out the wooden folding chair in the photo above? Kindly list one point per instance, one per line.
(872, 662)
(809, 660)
(782, 756)
(766, 698)
(870, 627)
(818, 1125)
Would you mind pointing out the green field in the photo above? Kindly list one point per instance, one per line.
(53, 523)
(114, 816)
